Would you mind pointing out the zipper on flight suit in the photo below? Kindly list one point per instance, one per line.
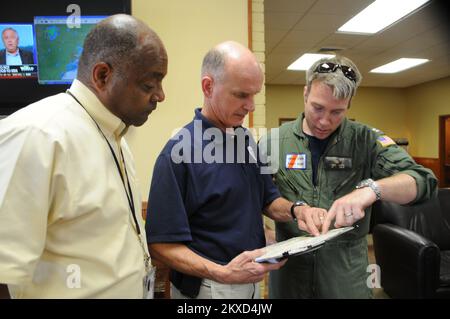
(316, 200)
(319, 171)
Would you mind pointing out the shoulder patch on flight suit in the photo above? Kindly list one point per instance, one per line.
(385, 140)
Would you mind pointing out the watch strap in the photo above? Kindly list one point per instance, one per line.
(295, 204)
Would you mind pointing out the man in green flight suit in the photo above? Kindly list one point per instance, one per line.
(337, 169)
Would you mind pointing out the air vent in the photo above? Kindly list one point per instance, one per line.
(329, 49)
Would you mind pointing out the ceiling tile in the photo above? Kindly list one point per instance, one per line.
(320, 22)
(272, 38)
(343, 41)
(281, 21)
(287, 5)
(294, 27)
(341, 7)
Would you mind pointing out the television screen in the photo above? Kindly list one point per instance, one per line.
(59, 45)
(17, 52)
(52, 34)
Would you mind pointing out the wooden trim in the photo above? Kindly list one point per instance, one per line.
(431, 163)
(442, 155)
(250, 23)
(250, 43)
(144, 210)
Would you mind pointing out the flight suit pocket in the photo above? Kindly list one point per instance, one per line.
(347, 184)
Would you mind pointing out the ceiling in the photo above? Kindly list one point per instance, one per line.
(294, 27)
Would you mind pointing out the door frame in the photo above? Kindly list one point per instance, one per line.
(442, 119)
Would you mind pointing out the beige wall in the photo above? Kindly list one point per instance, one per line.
(282, 101)
(188, 29)
(425, 103)
(382, 108)
(411, 112)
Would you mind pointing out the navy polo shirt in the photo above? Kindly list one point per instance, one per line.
(212, 207)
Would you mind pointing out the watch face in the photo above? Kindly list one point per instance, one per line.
(365, 183)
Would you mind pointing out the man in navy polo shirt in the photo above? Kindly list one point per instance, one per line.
(207, 193)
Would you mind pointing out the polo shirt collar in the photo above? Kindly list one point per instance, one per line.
(207, 124)
(110, 124)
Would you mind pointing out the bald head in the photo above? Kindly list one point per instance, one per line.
(123, 63)
(118, 40)
(229, 57)
(231, 77)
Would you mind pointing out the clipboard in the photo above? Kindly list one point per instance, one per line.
(298, 245)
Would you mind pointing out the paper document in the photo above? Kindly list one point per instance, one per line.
(298, 245)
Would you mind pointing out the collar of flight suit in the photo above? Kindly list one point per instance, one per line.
(297, 129)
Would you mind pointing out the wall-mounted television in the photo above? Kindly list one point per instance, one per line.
(49, 36)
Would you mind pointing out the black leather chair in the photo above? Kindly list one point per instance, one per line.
(412, 247)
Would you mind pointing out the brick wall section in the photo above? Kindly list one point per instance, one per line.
(259, 48)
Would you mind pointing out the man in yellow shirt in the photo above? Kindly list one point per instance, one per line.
(70, 224)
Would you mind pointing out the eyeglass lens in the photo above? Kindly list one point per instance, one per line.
(329, 67)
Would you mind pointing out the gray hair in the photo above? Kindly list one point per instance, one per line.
(10, 29)
(108, 44)
(214, 63)
(343, 87)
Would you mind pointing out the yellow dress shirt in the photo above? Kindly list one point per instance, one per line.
(66, 229)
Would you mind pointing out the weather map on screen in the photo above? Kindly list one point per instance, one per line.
(59, 46)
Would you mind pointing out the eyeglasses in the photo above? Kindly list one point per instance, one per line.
(329, 67)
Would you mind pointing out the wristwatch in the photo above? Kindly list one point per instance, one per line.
(297, 203)
(372, 184)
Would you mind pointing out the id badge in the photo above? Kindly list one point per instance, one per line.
(149, 283)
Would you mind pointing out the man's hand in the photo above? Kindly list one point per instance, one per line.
(349, 209)
(310, 219)
(244, 269)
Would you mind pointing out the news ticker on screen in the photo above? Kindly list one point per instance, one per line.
(18, 71)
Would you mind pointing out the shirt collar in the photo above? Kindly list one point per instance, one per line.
(12, 54)
(298, 128)
(109, 123)
(207, 124)
(201, 117)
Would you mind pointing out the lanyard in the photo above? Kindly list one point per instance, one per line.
(129, 193)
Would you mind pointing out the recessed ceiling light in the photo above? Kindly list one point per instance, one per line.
(306, 60)
(399, 65)
(379, 15)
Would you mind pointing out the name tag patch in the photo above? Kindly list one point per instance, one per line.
(334, 162)
(296, 161)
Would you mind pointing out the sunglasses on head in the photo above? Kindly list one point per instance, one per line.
(329, 67)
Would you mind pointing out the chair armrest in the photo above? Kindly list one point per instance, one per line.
(409, 262)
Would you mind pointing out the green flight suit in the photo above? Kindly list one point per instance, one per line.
(355, 152)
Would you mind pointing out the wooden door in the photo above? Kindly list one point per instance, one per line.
(444, 150)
